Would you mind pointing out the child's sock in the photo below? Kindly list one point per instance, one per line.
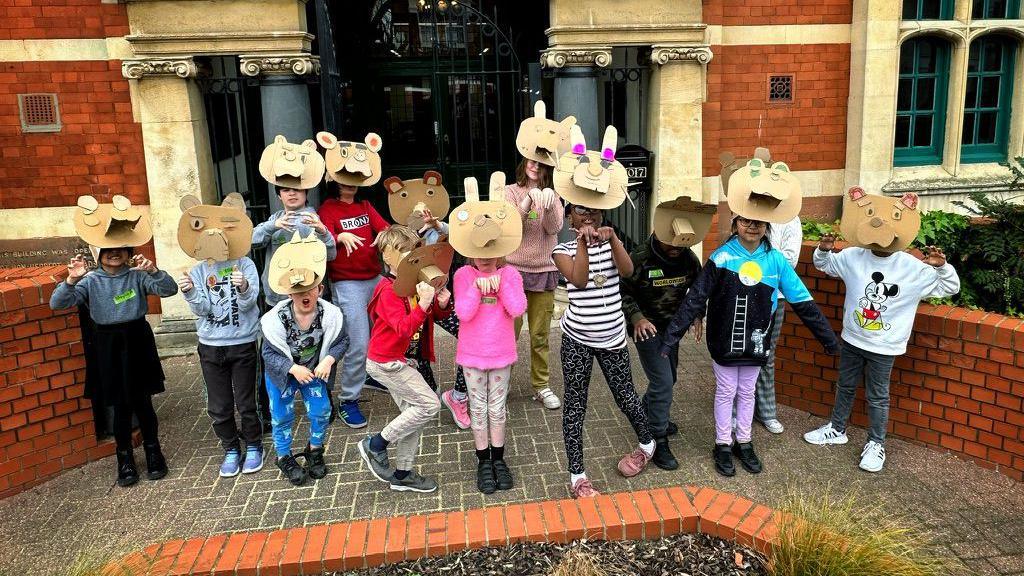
(497, 452)
(378, 443)
(484, 454)
(648, 448)
(574, 477)
(401, 474)
(460, 396)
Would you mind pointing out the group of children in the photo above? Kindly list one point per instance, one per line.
(389, 285)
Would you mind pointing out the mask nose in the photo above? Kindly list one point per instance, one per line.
(594, 169)
(876, 222)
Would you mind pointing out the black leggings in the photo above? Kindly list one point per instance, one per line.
(451, 326)
(577, 364)
(141, 405)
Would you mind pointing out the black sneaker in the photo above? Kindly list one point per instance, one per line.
(503, 475)
(377, 462)
(663, 457)
(156, 465)
(315, 462)
(127, 473)
(292, 471)
(748, 459)
(672, 429)
(723, 460)
(371, 384)
(485, 481)
(413, 483)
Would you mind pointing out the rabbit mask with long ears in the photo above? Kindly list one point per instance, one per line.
(485, 228)
(542, 139)
(590, 178)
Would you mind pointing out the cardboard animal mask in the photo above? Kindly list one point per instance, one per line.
(759, 192)
(408, 198)
(114, 225)
(485, 228)
(730, 164)
(542, 139)
(589, 178)
(683, 222)
(214, 233)
(298, 265)
(428, 264)
(882, 223)
(296, 166)
(352, 163)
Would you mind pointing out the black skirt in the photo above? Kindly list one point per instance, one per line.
(124, 362)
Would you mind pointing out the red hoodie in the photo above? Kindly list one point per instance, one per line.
(361, 219)
(394, 324)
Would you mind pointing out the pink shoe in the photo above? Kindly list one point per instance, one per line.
(459, 410)
(582, 488)
(633, 463)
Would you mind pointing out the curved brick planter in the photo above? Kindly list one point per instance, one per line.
(645, 514)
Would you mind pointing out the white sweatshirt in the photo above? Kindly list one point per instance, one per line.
(787, 238)
(882, 294)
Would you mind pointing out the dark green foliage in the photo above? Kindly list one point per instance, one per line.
(813, 230)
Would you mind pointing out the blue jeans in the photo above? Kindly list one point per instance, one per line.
(315, 397)
(353, 296)
(661, 378)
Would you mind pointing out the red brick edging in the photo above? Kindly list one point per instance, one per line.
(644, 514)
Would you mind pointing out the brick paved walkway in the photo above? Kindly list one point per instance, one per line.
(975, 514)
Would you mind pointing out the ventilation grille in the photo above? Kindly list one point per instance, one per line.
(780, 88)
(39, 112)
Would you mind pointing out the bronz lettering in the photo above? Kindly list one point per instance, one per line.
(354, 223)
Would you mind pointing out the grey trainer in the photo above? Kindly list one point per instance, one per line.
(377, 462)
(413, 483)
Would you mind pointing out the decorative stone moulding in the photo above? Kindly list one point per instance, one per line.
(662, 54)
(297, 64)
(562, 57)
(180, 67)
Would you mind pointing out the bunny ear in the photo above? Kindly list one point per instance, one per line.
(327, 140)
(579, 144)
(497, 184)
(190, 201)
(373, 142)
(471, 189)
(540, 110)
(611, 141)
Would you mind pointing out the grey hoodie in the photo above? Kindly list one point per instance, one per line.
(225, 316)
(266, 234)
(114, 298)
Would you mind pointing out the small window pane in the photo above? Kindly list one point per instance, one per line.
(968, 134)
(971, 100)
(923, 130)
(903, 131)
(990, 92)
(907, 58)
(904, 97)
(993, 56)
(987, 127)
(910, 9)
(925, 57)
(925, 94)
(930, 9)
(978, 9)
(973, 57)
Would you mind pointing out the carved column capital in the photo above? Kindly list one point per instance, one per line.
(600, 57)
(180, 67)
(300, 64)
(662, 54)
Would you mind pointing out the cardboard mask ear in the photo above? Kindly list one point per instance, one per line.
(780, 166)
(497, 185)
(540, 110)
(610, 142)
(763, 154)
(726, 158)
(909, 200)
(856, 193)
(280, 139)
(471, 189)
(234, 200)
(579, 143)
(431, 178)
(568, 121)
(373, 142)
(190, 201)
(327, 140)
(393, 184)
(309, 144)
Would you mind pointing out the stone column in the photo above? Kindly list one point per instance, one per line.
(284, 96)
(176, 144)
(576, 73)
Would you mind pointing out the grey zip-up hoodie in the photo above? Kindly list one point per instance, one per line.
(224, 316)
(266, 234)
(114, 298)
(277, 356)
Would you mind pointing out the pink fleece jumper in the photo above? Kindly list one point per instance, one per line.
(540, 234)
(486, 337)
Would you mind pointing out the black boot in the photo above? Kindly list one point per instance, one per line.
(723, 460)
(663, 457)
(315, 462)
(127, 474)
(292, 471)
(485, 481)
(672, 429)
(748, 459)
(156, 465)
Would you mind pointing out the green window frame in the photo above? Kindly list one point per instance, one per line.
(921, 102)
(928, 9)
(995, 9)
(987, 99)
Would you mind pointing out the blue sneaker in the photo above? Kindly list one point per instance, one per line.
(253, 460)
(351, 415)
(230, 466)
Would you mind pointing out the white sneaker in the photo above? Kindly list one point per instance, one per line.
(774, 426)
(548, 398)
(826, 435)
(872, 458)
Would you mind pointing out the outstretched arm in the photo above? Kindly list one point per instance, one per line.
(693, 307)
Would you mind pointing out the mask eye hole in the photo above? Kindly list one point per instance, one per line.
(897, 214)
(584, 160)
(870, 212)
(197, 223)
(343, 152)
(430, 191)
(404, 194)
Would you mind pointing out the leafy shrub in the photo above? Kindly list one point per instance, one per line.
(814, 230)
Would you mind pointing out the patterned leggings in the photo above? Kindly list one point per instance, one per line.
(577, 364)
(488, 390)
(451, 326)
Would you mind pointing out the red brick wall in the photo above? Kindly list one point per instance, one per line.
(959, 387)
(777, 12)
(36, 19)
(98, 151)
(808, 134)
(46, 425)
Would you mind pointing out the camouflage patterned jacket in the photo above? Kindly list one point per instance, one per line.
(658, 284)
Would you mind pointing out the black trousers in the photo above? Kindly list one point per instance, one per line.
(140, 404)
(230, 374)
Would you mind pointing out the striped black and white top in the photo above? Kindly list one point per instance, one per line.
(594, 317)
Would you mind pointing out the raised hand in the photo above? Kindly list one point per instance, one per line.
(313, 221)
(588, 235)
(185, 283)
(933, 256)
(76, 269)
(605, 234)
(142, 263)
(430, 221)
(544, 199)
(488, 285)
(286, 221)
(350, 241)
(238, 279)
(827, 242)
(425, 292)
(443, 297)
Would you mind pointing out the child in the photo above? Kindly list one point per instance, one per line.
(877, 319)
(593, 327)
(303, 337)
(738, 288)
(224, 296)
(125, 352)
(400, 351)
